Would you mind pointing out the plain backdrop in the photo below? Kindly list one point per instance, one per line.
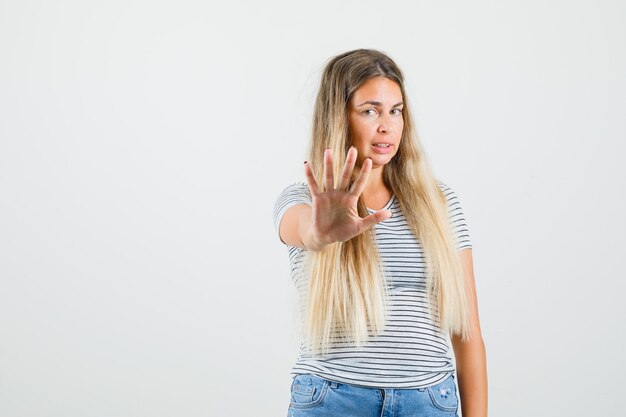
(143, 144)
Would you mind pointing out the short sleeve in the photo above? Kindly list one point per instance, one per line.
(295, 193)
(458, 221)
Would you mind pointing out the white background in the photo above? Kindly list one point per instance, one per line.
(143, 144)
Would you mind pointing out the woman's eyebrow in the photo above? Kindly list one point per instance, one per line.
(378, 103)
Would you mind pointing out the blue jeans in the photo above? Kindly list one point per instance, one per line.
(312, 395)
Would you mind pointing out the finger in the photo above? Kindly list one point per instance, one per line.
(348, 167)
(359, 184)
(374, 218)
(310, 179)
(328, 170)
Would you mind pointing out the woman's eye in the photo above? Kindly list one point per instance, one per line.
(367, 112)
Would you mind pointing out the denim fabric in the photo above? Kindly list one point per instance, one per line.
(312, 395)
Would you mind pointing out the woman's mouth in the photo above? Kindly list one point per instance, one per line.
(382, 147)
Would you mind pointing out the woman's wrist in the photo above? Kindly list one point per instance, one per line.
(312, 241)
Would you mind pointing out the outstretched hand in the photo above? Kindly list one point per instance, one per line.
(334, 216)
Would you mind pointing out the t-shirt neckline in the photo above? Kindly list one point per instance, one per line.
(386, 207)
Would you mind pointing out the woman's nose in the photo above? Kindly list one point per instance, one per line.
(384, 127)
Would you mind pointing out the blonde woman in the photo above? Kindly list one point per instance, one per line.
(381, 258)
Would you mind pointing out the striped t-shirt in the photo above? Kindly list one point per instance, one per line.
(412, 351)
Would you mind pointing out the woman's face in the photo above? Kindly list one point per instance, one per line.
(375, 117)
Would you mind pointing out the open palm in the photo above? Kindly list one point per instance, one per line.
(334, 216)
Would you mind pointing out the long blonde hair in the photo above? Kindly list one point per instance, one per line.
(347, 294)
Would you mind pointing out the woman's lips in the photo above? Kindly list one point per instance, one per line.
(379, 149)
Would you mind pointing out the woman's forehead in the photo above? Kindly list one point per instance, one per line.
(377, 91)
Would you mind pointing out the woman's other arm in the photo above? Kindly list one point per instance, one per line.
(471, 355)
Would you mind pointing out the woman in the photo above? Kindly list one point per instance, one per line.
(381, 257)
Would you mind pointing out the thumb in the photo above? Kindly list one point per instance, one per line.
(374, 218)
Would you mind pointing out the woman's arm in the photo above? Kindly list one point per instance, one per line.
(295, 230)
(471, 361)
